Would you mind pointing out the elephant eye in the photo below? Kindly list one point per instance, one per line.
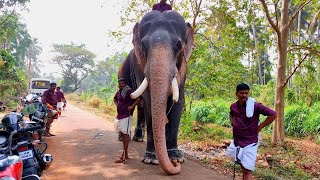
(178, 46)
(144, 48)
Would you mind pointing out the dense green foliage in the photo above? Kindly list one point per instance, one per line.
(102, 81)
(18, 53)
(300, 120)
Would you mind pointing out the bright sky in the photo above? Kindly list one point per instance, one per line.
(79, 21)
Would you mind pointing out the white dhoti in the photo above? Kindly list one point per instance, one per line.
(59, 105)
(123, 125)
(246, 155)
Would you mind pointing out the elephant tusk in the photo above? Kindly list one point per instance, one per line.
(175, 90)
(140, 89)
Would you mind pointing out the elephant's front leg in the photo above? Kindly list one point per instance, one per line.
(172, 128)
(139, 130)
(149, 156)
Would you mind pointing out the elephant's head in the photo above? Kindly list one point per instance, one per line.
(163, 43)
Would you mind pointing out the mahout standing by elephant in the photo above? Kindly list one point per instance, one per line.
(125, 108)
(156, 68)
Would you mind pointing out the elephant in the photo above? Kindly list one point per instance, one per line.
(156, 69)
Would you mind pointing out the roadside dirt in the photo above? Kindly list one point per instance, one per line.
(78, 155)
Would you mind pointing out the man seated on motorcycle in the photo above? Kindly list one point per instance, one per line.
(49, 98)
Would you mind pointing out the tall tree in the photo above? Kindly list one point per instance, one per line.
(103, 79)
(34, 63)
(76, 63)
(281, 25)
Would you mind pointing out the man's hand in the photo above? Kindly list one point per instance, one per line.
(259, 128)
(130, 108)
(268, 121)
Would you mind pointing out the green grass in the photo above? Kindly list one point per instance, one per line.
(195, 131)
(287, 171)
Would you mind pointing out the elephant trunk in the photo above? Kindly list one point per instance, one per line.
(160, 84)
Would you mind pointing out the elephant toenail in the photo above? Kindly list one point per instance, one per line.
(174, 160)
(156, 162)
(147, 161)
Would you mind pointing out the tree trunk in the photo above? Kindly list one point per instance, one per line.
(278, 125)
(257, 56)
(299, 27)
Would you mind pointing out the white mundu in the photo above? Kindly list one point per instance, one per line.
(247, 155)
(123, 125)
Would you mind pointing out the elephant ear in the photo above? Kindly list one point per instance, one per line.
(189, 42)
(185, 54)
(136, 40)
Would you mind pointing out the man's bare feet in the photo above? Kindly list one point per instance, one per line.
(120, 159)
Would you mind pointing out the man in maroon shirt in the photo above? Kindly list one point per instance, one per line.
(49, 98)
(246, 127)
(125, 108)
(162, 6)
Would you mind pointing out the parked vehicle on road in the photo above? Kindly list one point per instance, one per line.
(30, 98)
(39, 85)
(24, 142)
(11, 166)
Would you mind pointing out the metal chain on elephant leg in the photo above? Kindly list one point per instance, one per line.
(150, 158)
(175, 155)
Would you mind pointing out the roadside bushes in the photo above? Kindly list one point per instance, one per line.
(90, 100)
(213, 111)
(202, 112)
(294, 117)
(94, 102)
(301, 120)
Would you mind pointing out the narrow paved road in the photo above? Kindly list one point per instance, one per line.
(77, 155)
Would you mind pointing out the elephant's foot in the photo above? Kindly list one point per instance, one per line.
(150, 158)
(175, 155)
(138, 135)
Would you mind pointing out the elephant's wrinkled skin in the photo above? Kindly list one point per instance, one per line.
(163, 43)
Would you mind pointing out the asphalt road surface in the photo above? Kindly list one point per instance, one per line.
(77, 155)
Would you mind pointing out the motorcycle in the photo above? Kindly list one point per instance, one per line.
(24, 143)
(42, 112)
(11, 166)
(42, 115)
(29, 99)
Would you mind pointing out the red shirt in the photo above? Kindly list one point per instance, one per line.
(244, 128)
(123, 104)
(60, 96)
(49, 97)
